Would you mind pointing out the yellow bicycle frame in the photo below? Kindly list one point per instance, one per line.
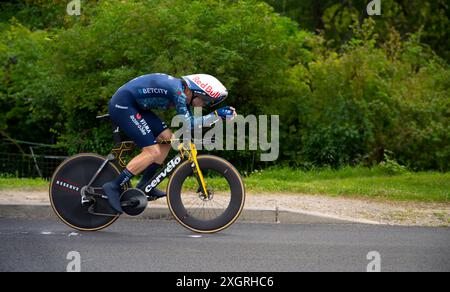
(191, 153)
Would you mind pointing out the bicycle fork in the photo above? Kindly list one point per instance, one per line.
(197, 170)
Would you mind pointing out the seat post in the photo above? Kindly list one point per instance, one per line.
(116, 133)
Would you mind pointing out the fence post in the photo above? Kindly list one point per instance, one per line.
(35, 162)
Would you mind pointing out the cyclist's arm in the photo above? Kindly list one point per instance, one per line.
(195, 122)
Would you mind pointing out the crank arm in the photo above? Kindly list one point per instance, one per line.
(131, 203)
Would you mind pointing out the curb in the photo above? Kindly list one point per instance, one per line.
(249, 215)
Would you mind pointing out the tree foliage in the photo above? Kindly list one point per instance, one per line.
(333, 18)
(363, 88)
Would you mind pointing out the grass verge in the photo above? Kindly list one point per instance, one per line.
(372, 183)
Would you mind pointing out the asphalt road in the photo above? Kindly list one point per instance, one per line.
(129, 245)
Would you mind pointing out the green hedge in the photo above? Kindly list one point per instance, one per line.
(351, 105)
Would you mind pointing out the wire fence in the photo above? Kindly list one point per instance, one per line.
(29, 160)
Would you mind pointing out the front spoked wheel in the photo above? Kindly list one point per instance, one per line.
(206, 213)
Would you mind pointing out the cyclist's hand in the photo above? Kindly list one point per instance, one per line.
(227, 112)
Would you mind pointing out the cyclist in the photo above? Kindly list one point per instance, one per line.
(131, 109)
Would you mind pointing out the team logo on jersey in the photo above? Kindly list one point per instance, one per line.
(153, 91)
(121, 107)
(141, 124)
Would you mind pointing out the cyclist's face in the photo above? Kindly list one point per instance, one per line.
(198, 102)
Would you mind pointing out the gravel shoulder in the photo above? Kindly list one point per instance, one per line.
(355, 209)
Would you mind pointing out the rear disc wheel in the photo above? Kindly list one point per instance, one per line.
(65, 192)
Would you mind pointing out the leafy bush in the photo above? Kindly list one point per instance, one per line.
(362, 102)
(337, 107)
(245, 44)
(391, 167)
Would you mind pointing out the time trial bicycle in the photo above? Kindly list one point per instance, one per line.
(205, 193)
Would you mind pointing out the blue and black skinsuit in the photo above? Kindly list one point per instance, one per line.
(130, 107)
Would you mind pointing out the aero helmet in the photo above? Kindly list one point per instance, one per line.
(206, 87)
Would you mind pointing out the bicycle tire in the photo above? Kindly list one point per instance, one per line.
(65, 191)
(232, 212)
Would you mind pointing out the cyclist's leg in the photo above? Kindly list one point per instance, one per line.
(161, 131)
(165, 148)
(125, 114)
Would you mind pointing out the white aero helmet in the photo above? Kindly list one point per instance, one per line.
(207, 87)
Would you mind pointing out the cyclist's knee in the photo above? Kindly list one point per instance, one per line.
(165, 135)
(153, 152)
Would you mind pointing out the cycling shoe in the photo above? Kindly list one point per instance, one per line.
(113, 193)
